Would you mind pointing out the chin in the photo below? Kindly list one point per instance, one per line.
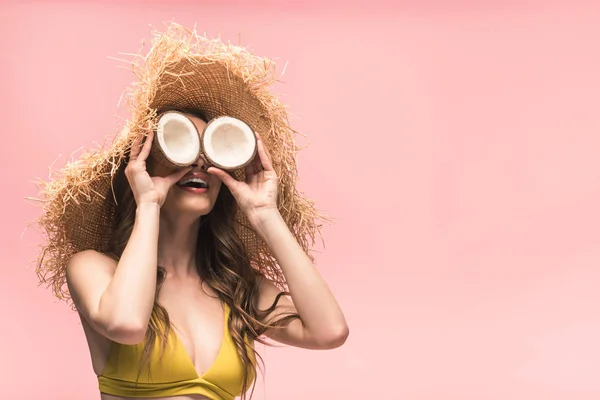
(194, 204)
(197, 208)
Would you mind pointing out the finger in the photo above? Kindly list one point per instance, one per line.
(177, 175)
(135, 147)
(258, 138)
(265, 159)
(147, 146)
(227, 179)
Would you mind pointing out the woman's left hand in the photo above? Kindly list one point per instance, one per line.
(257, 196)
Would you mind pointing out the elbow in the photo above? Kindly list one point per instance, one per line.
(120, 326)
(335, 338)
(128, 333)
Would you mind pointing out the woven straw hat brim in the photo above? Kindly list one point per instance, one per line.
(181, 71)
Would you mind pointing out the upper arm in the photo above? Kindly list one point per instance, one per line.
(88, 275)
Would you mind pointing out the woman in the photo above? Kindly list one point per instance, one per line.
(175, 274)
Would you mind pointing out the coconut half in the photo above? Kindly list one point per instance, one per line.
(178, 138)
(228, 143)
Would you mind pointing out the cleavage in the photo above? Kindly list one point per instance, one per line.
(198, 320)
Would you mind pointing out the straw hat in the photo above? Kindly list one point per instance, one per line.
(181, 71)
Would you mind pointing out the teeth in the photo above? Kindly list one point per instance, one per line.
(195, 180)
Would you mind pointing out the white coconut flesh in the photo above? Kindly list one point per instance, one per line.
(178, 138)
(229, 142)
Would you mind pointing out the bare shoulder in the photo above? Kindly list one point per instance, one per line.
(87, 260)
(88, 274)
(267, 295)
(266, 288)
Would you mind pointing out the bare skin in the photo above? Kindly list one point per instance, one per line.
(114, 299)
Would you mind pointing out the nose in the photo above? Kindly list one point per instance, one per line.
(200, 164)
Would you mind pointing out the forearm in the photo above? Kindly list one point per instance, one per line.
(318, 309)
(129, 298)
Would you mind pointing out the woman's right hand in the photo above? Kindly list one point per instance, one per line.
(147, 189)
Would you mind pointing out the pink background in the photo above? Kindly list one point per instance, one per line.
(456, 144)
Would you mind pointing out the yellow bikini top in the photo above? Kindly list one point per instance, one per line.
(174, 374)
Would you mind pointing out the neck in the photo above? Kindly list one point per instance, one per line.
(177, 241)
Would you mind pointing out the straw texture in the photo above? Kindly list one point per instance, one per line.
(182, 70)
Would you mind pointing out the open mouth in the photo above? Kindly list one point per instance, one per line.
(193, 182)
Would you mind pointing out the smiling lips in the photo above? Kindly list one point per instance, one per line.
(196, 183)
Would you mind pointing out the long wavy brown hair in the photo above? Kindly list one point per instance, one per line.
(222, 264)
